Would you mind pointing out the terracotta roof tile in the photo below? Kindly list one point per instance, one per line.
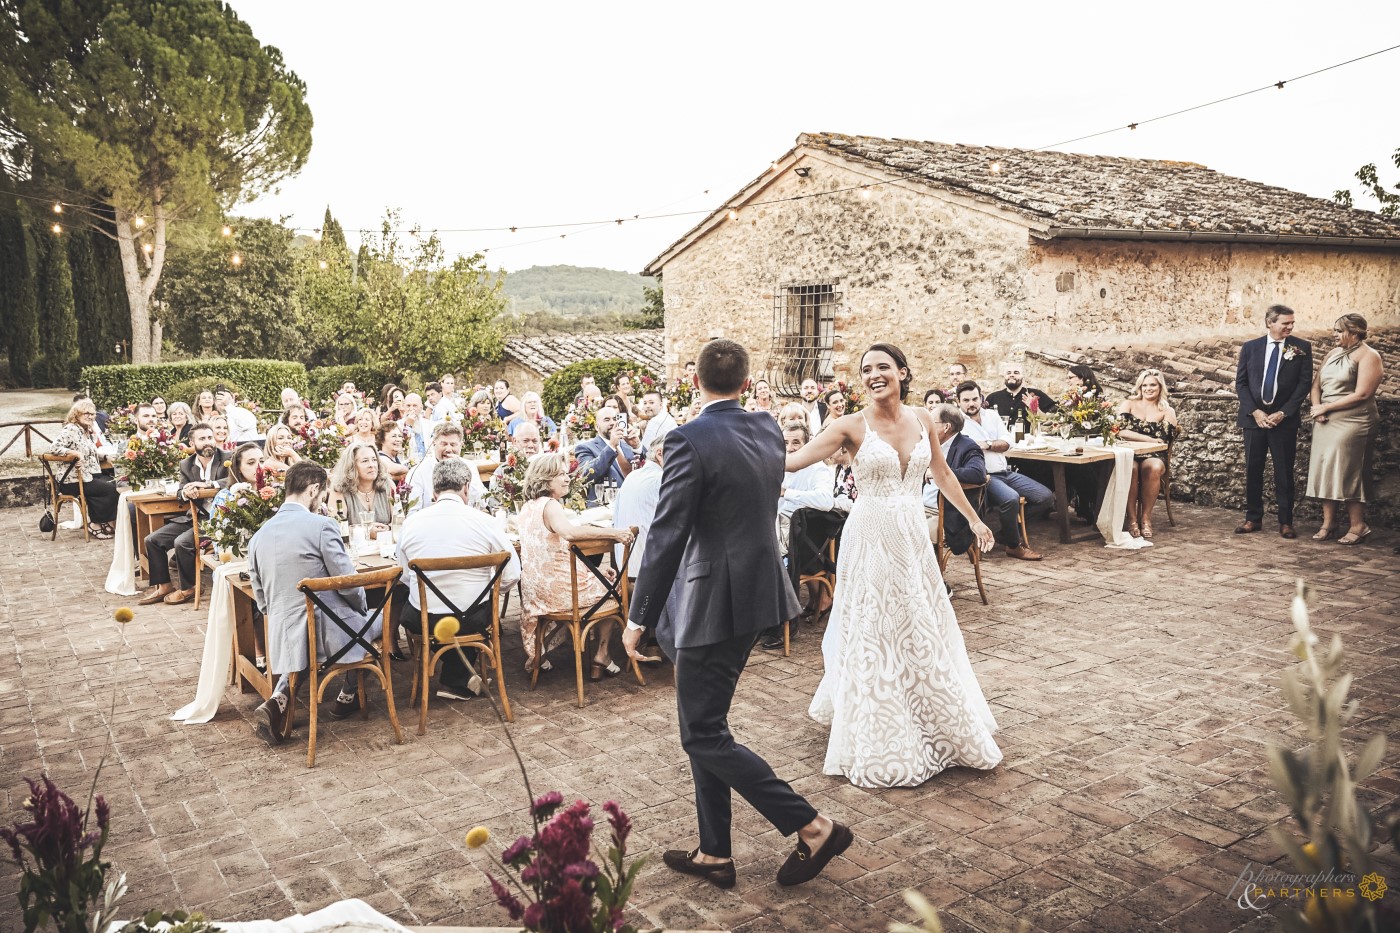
(550, 353)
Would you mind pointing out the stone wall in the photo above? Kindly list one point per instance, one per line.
(522, 378)
(23, 491)
(1208, 462)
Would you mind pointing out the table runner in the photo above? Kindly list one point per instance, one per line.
(1115, 504)
(218, 647)
(121, 576)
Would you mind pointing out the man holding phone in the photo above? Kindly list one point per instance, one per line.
(609, 455)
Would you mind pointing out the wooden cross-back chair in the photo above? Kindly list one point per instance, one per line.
(59, 499)
(430, 651)
(975, 492)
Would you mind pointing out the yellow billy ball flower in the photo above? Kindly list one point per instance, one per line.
(225, 557)
(446, 629)
(123, 615)
(478, 837)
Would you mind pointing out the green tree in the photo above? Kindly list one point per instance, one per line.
(1370, 179)
(244, 311)
(18, 301)
(58, 327)
(99, 297)
(653, 316)
(332, 234)
(168, 110)
(416, 310)
(327, 294)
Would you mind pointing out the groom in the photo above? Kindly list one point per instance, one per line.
(712, 580)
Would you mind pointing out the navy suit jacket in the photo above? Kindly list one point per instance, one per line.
(597, 455)
(1294, 379)
(969, 466)
(712, 549)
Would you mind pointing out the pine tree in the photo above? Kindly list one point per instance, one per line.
(58, 326)
(332, 235)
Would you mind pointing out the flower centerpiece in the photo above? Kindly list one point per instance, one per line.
(404, 500)
(681, 394)
(1033, 413)
(149, 459)
(508, 485)
(582, 421)
(121, 422)
(854, 400)
(481, 428)
(235, 521)
(321, 442)
(1089, 413)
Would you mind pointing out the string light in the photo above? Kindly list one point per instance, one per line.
(147, 249)
(733, 214)
(56, 228)
(865, 193)
(236, 259)
(139, 222)
(996, 168)
(227, 231)
(323, 265)
(58, 208)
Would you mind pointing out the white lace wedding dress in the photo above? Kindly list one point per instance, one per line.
(899, 692)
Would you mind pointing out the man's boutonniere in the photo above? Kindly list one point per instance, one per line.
(1290, 351)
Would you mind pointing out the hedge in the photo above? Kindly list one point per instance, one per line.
(187, 390)
(326, 379)
(562, 388)
(262, 380)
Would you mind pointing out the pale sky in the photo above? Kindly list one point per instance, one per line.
(468, 115)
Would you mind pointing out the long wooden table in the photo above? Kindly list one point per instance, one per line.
(153, 510)
(1100, 457)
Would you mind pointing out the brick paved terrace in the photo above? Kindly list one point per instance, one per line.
(1135, 691)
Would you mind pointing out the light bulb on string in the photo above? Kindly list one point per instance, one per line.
(865, 193)
(996, 168)
(56, 228)
(57, 208)
(733, 214)
(139, 222)
(227, 231)
(323, 265)
(236, 259)
(146, 248)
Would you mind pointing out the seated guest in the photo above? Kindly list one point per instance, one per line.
(590, 392)
(1005, 487)
(1082, 379)
(79, 436)
(844, 492)
(161, 410)
(933, 398)
(417, 428)
(447, 445)
(835, 405)
(545, 533)
(451, 528)
(391, 402)
(606, 457)
(1146, 415)
(806, 522)
(1010, 401)
(622, 391)
(242, 474)
(361, 485)
(525, 443)
(447, 401)
(968, 464)
(792, 411)
(293, 545)
(203, 407)
(532, 411)
(658, 420)
(957, 375)
(289, 397)
(635, 506)
(242, 425)
(279, 450)
(201, 470)
(345, 411)
(362, 427)
(146, 425)
(761, 399)
(432, 394)
(296, 417)
(219, 425)
(388, 440)
(181, 420)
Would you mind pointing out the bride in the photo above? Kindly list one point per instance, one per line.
(898, 692)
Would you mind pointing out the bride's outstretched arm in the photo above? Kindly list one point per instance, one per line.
(951, 487)
(824, 444)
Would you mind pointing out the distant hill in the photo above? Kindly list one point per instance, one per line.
(571, 291)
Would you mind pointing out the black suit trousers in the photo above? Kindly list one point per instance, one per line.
(1280, 443)
(180, 537)
(705, 680)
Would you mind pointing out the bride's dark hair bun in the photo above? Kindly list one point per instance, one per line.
(900, 362)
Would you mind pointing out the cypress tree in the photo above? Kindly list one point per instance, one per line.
(58, 325)
(332, 235)
(17, 297)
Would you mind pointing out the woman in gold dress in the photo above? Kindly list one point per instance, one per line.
(1344, 418)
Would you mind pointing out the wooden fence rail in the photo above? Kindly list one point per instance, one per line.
(27, 430)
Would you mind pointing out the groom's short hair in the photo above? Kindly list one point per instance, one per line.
(722, 367)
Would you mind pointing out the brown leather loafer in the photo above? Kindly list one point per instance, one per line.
(178, 597)
(152, 596)
(804, 864)
(1286, 531)
(720, 875)
(1247, 527)
(1024, 553)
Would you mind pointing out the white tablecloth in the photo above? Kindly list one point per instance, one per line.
(218, 648)
(349, 916)
(1115, 504)
(121, 576)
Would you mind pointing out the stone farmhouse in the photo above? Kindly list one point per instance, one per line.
(528, 361)
(976, 254)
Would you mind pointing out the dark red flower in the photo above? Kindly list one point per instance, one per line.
(620, 822)
(507, 900)
(517, 849)
(546, 804)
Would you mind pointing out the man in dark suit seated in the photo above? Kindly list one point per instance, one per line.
(1272, 379)
(607, 455)
(968, 465)
(201, 470)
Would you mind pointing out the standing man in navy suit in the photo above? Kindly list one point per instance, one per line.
(1272, 379)
(711, 581)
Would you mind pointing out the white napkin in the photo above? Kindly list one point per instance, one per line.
(218, 648)
(1115, 504)
(121, 576)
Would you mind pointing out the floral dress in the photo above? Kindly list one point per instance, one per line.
(1163, 430)
(545, 583)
